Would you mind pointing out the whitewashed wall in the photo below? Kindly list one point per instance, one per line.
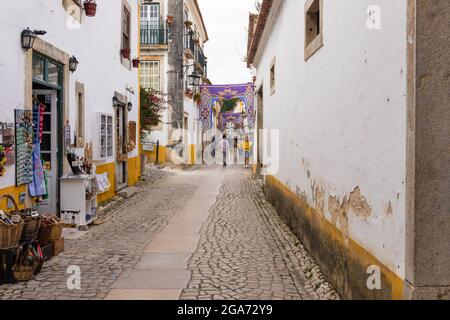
(96, 45)
(342, 114)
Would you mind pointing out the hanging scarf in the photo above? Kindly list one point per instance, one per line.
(37, 187)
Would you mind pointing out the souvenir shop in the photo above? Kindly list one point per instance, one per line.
(31, 236)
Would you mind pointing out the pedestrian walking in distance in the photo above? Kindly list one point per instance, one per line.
(247, 146)
(225, 148)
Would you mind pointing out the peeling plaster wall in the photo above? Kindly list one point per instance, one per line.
(342, 119)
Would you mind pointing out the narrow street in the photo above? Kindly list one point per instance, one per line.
(205, 233)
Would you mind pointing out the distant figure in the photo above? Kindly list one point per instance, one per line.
(213, 151)
(225, 147)
(235, 147)
(247, 145)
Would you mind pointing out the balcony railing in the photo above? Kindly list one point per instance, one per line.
(195, 52)
(200, 59)
(153, 32)
(189, 42)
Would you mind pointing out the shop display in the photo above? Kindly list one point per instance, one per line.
(131, 144)
(7, 143)
(11, 226)
(24, 147)
(75, 162)
(50, 230)
(79, 199)
(38, 187)
(38, 121)
(27, 240)
(88, 157)
(67, 144)
(32, 221)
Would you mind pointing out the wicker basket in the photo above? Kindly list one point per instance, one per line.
(23, 273)
(50, 230)
(24, 270)
(10, 233)
(30, 228)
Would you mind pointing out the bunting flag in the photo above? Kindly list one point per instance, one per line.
(213, 93)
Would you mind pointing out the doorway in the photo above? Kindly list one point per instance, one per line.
(49, 151)
(48, 92)
(122, 154)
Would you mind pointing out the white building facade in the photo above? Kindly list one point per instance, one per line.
(94, 106)
(337, 81)
(157, 38)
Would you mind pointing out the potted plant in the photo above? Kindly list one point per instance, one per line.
(169, 19)
(136, 62)
(126, 53)
(188, 24)
(90, 7)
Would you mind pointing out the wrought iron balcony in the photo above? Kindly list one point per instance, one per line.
(189, 44)
(200, 59)
(154, 32)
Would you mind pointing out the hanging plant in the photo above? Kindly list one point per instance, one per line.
(188, 24)
(136, 62)
(90, 7)
(152, 106)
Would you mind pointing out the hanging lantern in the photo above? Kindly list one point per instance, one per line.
(194, 79)
(73, 64)
(28, 38)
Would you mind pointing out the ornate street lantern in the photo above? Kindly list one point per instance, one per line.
(73, 64)
(194, 79)
(28, 38)
(115, 102)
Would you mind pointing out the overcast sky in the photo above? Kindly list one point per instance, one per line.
(227, 24)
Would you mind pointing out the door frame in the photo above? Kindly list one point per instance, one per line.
(120, 185)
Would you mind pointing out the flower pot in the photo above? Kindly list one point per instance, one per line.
(136, 63)
(90, 8)
(169, 19)
(188, 24)
(126, 53)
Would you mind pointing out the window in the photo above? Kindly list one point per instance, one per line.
(272, 77)
(79, 91)
(48, 71)
(313, 27)
(126, 27)
(73, 8)
(106, 136)
(150, 12)
(150, 75)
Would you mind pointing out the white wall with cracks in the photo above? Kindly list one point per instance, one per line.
(342, 118)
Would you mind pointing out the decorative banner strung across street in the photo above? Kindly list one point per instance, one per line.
(216, 93)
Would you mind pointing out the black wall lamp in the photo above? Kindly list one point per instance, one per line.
(194, 79)
(28, 37)
(116, 102)
(73, 64)
(129, 106)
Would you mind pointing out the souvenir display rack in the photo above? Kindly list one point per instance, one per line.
(24, 146)
(79, 199)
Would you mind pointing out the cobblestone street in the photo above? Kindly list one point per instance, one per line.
(200, 234)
